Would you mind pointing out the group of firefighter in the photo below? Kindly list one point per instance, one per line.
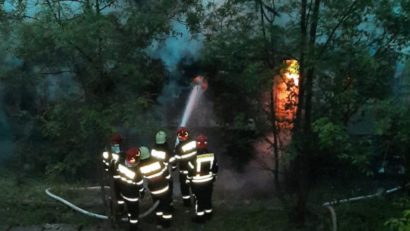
(197, 167)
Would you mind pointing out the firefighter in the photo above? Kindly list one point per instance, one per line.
(132, 186)
(110, 160)
(157, 176)
(185, 151)
(202, 173)
(161, 150)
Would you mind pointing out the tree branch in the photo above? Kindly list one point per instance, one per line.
(343, 18)
(52, 10)
(309, 12)
(268, 140)
(79, 49)
(268, 58)
(57, 72)
(383, 48)
(270, 9)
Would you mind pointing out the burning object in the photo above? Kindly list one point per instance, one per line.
(201, 81)
(286, 91)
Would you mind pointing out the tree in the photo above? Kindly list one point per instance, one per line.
(91, 74)
(346, 59)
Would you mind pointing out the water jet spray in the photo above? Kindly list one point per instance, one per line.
(200, 85)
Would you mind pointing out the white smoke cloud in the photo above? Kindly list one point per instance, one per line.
(174, 48)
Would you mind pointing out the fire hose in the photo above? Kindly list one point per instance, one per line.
(332, 211)
(88, 213)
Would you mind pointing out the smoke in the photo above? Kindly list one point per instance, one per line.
(175, 48)
(251, 184)
(181, 45)
(31, 7)
(254, 182)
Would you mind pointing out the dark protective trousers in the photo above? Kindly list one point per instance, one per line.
(130, 194)
(117, 189)
(186, 195)
(203, 198)
(163, 211)
(133, 213)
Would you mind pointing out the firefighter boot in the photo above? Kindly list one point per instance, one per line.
(171, 206)
(198, 219)
(208, 216)
(133, 227)
(165, 223)
(187, 203)
(159, 221)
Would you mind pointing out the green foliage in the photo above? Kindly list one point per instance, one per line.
(353, 63)
(335, 140)
(393, 126)
(74, 141)
(367, 215)
(233, 61)
(392, 119)
(330, 134)
(400, 224)
(81, 74)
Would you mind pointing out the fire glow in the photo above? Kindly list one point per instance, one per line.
(286, 91)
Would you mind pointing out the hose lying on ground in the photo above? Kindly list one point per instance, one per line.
(329, 204)
(392, 190)
(91, 214)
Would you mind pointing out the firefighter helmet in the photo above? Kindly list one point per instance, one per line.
(182, 134)
(144, 153)
(133, 155)
(116, 138)
(160, 137)
(202, 141)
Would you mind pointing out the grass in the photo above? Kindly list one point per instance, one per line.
(26, 204)
(370, 215)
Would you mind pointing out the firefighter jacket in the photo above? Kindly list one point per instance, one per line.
(156, 173)
(203, 167)
(131, 190)
(163, 153)
(185, 152)
(130, 176)
(110, 160)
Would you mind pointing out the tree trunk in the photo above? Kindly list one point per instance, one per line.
(302, 130)
(310, 69)
(298, 213)
(275, 132)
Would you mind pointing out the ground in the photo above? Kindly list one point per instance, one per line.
(25, 206)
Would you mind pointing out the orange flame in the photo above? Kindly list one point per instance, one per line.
(200, 80)
(286, 93)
